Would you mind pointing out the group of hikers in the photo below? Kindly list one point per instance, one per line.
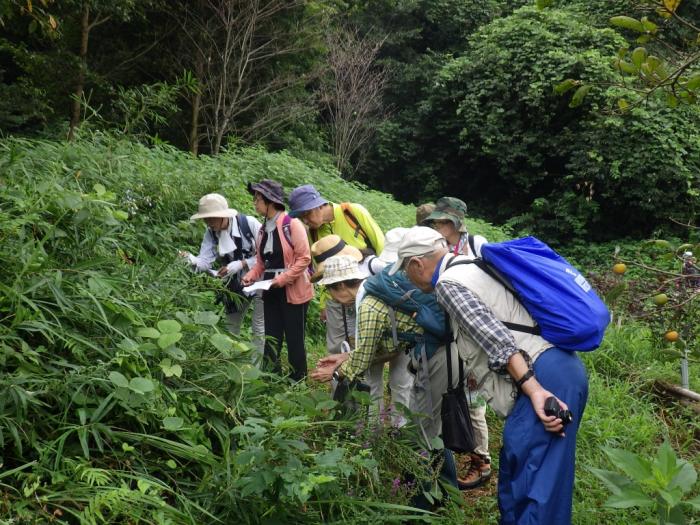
(410, 298)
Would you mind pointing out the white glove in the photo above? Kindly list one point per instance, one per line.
(234, 267)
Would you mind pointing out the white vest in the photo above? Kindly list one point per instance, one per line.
(498, 390)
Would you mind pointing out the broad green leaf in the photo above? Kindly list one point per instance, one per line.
(151, 333)
(579, 95)
(222, 343)
(169, 326)
(648, 25)
(671, 497)
(626, 67)
(170, 463)
(166, 340)
(206, 318)
(169, 369)
(172, 423)
(631, 496)
(141, 385)
(685, 479)
(330, 458)
(120, 215)
(627, 22)
(666, 462)
(653, 62)
(326, 404)
(639, 56)
(176, 353)
(614, 481)
(183, 318)
(693, 82)
(622, 104)
(542, 4)
(128, 345)
(250, 373)
(99, 189)
(635, 467)
(143, 485)
(565, 86)
(119, 379)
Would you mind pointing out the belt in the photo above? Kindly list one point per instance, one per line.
(271, 274)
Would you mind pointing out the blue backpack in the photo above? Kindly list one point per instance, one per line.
(397, 292)
(568, 312)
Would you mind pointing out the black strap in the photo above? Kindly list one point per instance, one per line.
(345, 324)
(470, 241)
(484, 266)
(331, 252)
(448, 356)
(350, 217)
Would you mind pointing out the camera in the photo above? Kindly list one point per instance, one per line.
(553, 408)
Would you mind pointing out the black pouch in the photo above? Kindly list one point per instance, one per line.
(457, 429)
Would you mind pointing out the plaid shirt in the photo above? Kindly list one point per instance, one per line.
(374, 336)
(471, 314)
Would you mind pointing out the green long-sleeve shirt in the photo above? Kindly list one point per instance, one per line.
(343, 229)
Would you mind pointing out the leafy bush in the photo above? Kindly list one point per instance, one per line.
(121, 399)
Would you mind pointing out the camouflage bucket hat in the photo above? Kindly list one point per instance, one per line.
(449, 209)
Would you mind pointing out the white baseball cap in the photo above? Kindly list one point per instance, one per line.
(417, 241)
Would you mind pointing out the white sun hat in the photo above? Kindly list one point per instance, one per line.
(392, 239)
(213, 205)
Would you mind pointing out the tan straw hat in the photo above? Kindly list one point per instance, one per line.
(327, 247)
(213, 205)
(341, 268)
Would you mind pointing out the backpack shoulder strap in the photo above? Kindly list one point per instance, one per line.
(394, 330)
(470, 241)
(287, 229)
(244, 227)
(355, 225)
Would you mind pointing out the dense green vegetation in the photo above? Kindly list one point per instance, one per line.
(458, 98)
(122, 398)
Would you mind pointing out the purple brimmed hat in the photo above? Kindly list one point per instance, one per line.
(304, 198)
(270, 189)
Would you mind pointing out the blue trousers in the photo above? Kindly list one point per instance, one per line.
(536, 477)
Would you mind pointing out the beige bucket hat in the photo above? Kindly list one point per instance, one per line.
(341, 268)
(213, 205)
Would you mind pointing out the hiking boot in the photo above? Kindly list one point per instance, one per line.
(479, 473)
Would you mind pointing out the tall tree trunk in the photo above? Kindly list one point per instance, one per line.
(80, 84)
(196, 107)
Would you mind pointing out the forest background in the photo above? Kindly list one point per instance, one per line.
(115, 116)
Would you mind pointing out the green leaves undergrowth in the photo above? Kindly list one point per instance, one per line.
(122, 399)
(659, 484)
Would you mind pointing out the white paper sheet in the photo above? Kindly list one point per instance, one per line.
(258, 285)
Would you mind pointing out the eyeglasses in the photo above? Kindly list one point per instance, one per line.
(257, 197)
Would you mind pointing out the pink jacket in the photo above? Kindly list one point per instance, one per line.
(295, 278)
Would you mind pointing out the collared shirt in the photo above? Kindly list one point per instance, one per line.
(374, 337)
(471, 314)
(209, 249)
(341, 227)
